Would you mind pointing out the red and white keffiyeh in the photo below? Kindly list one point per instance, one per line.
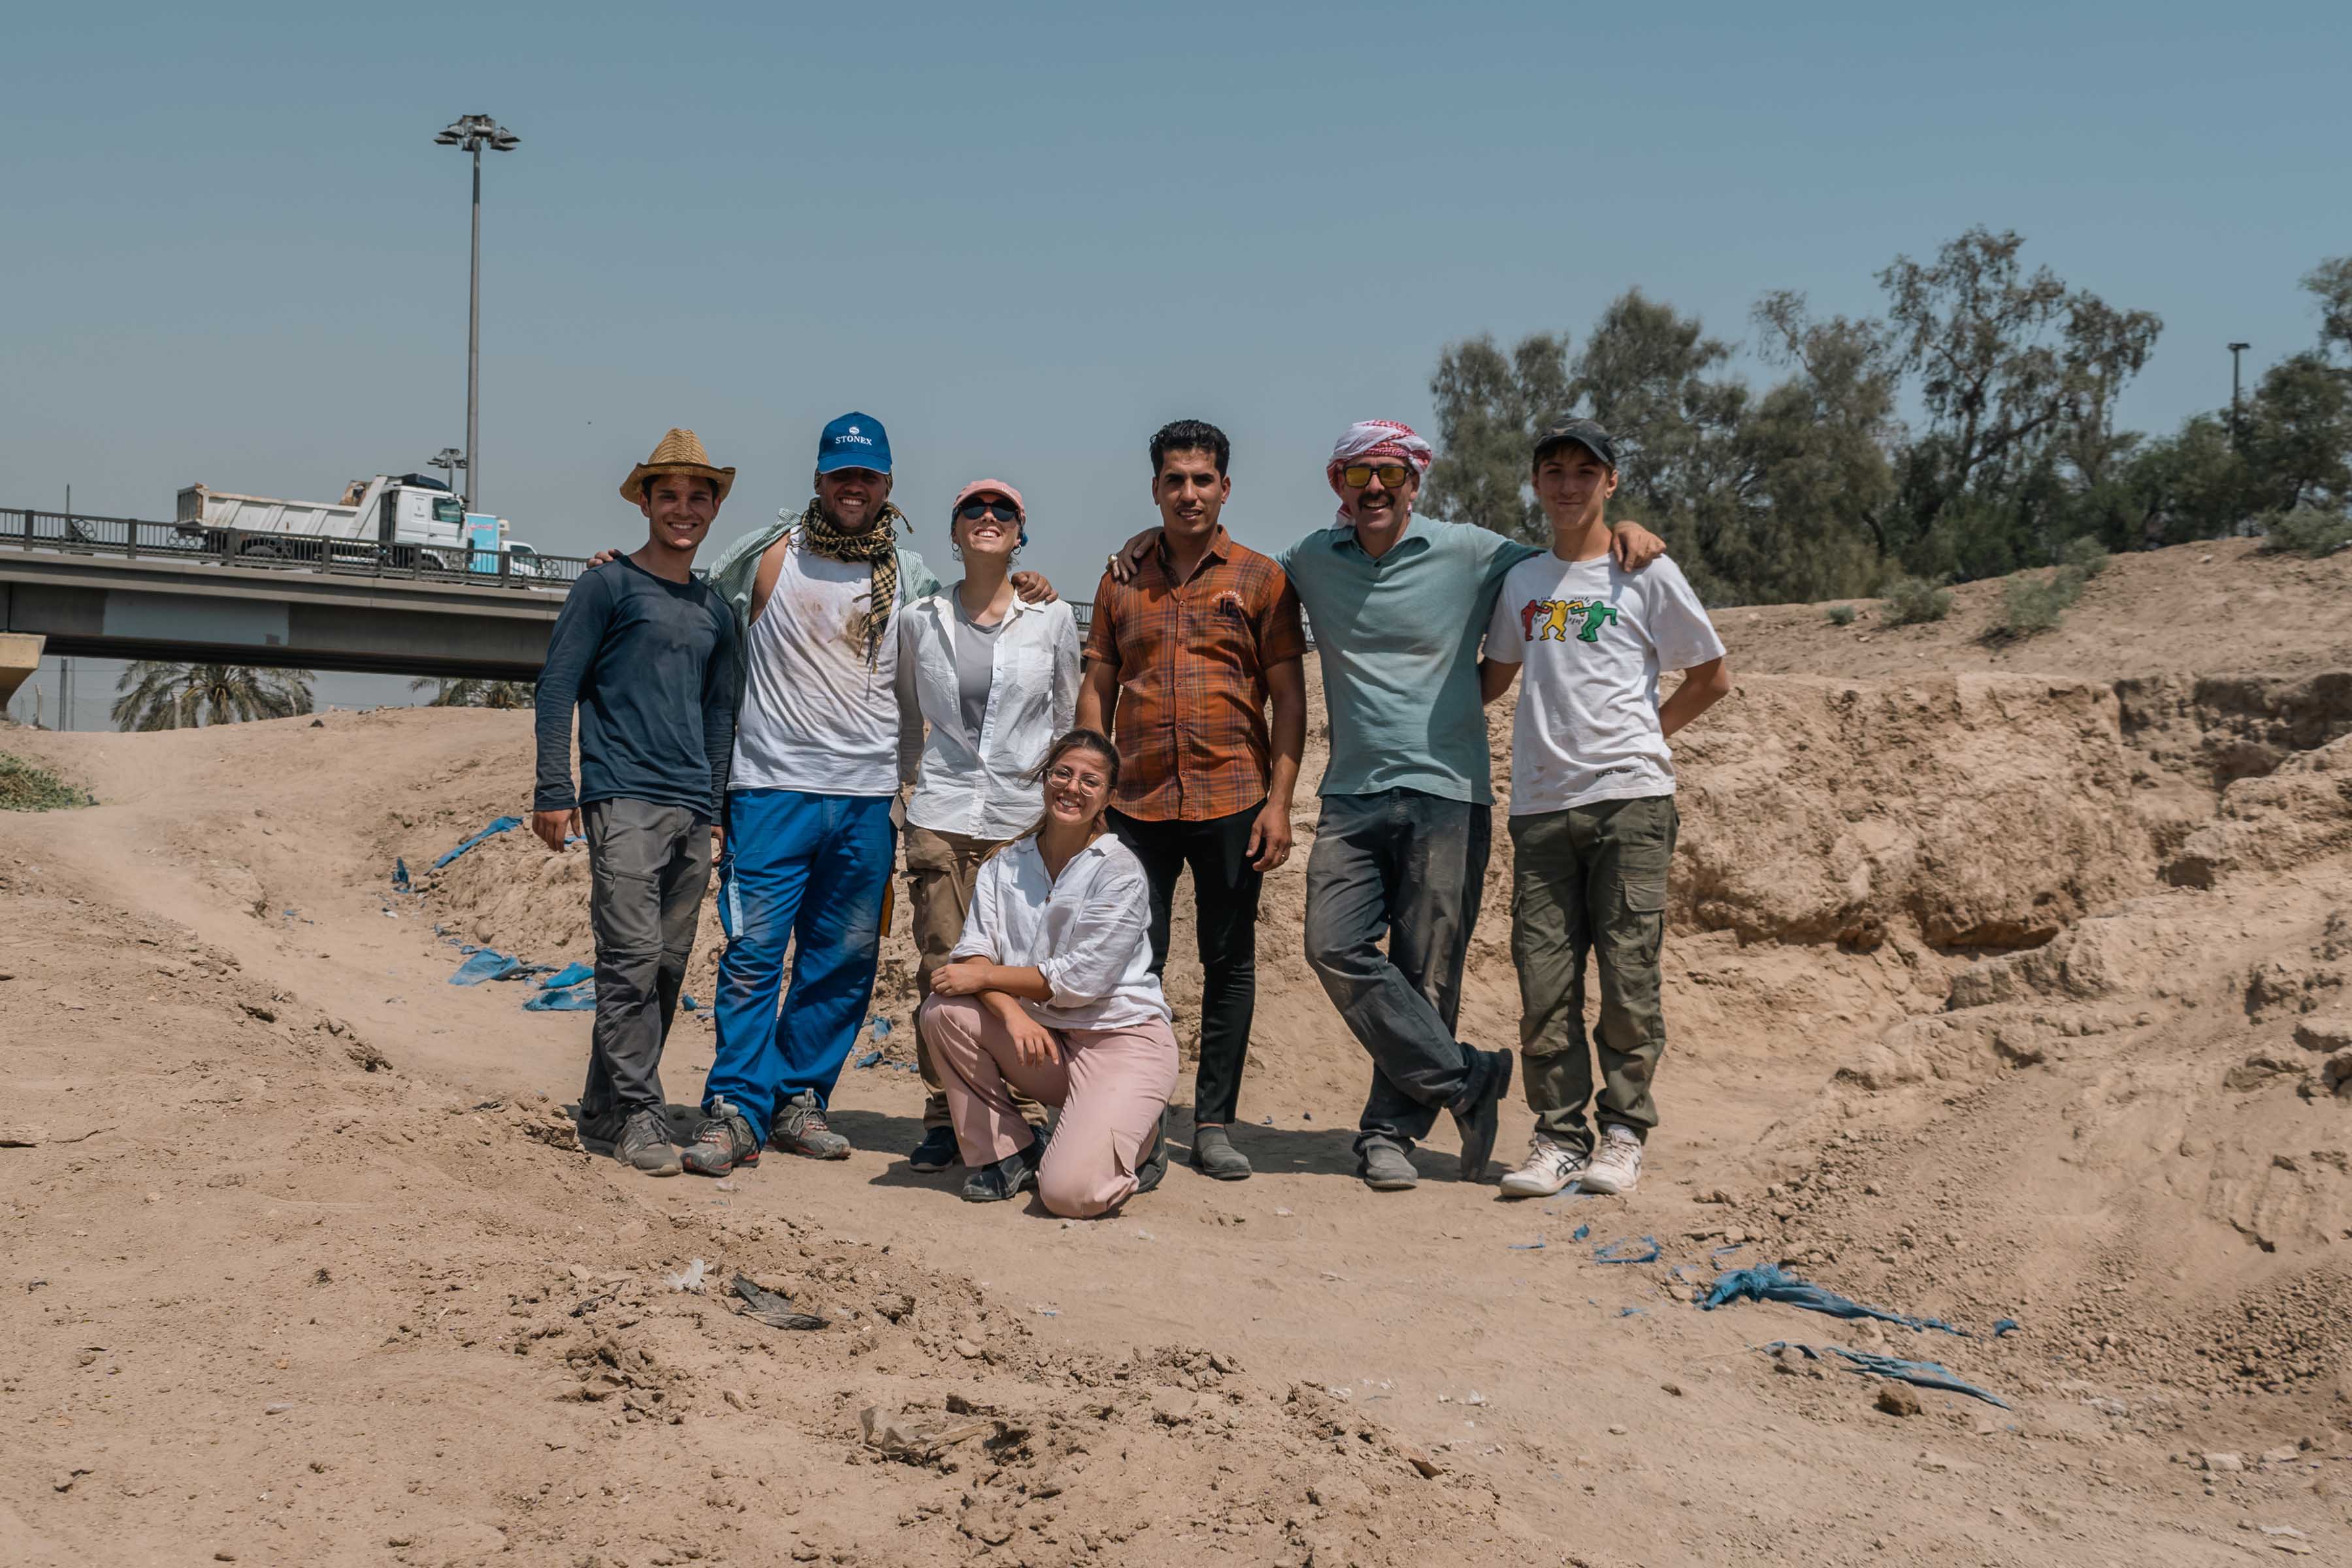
(1371, 439)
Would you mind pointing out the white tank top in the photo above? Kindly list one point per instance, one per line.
(815, 717)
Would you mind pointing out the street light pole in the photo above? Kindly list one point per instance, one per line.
(472, 132)
(2236, 441)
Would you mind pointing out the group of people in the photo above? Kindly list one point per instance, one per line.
(783, 717)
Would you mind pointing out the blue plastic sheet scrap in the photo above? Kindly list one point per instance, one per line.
(1769, 1282)
(1626, 1250)
(2007, 1326)
(1580, 1233)
(1921, 1373)
(580, 998)
(688, 1003)
(868, 1059)
(570, 974)
(503, 825)
(1535, 1246)
(399, 875)
(485, 965)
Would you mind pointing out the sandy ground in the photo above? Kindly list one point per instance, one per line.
(2005, 981)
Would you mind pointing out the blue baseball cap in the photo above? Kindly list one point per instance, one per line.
(854, 441)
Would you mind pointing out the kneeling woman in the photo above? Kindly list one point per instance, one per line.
(1051, 991)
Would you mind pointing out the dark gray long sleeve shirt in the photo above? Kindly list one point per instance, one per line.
(650, 664)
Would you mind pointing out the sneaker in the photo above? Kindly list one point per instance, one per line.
(1383, 1167)
(1479, 1122)
(1008, 1178)
(724, 1142)
(1617, 1164)
(645, 1144)
(937, 1152)
(800, 1129)
(1214, 1156)
(1548, 1169)
(1154, 1169)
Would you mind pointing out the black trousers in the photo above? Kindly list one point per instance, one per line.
(1224, 907)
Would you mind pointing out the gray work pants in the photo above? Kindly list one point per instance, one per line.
(1407, 867)
(648, 865)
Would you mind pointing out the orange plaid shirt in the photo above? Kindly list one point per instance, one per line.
(1190, 658)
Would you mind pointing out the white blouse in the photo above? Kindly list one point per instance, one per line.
(984, 793)
(1090, 934)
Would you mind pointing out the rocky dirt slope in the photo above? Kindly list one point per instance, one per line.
(2006, 981)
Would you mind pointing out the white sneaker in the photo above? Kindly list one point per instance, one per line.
(1617, 1164)
(1548, 1169)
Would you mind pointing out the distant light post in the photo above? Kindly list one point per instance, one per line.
(449, 461)
(472, 132)
(2236, 439)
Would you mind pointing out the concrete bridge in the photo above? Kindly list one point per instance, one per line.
(186, 606)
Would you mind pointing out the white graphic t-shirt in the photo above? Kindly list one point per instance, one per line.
(1593, 637)
(815, 716)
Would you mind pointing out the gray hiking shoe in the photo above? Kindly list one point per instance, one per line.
(1383, 1166)
(1481, 1117)
(1214, 1155)
(645, 1145)
(800, 1129)
(723, 1142)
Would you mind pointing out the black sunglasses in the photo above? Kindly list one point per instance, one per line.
(1003, 512)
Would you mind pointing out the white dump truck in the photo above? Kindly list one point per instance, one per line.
(401, 521)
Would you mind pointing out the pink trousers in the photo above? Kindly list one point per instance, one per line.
(1111, 1084)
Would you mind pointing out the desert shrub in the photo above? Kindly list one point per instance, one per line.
(2307, 531)
(1841, 615)
(1912, 600)
(2086, 554)
(24, 787)
(2034, 604)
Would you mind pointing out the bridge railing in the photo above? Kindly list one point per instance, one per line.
(199, 545)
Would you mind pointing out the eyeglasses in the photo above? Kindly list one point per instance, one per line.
(1064, 776)
(1356, 475)
(974, 511)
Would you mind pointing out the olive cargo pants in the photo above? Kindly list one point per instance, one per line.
(1590, 881)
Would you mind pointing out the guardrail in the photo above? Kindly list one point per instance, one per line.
(199, 545)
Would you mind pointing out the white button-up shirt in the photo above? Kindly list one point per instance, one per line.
(1033, 694)
(1089, 934)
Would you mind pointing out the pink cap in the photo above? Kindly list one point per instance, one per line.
(982, 487)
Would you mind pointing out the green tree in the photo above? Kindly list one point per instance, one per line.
(2330, 283)
(2298, 434)
(2019, 376)
(160, 695)
(1490, 408)
(470, 691)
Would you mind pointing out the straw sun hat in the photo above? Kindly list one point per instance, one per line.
(680, 452)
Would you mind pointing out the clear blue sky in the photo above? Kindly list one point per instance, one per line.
(1023, 237)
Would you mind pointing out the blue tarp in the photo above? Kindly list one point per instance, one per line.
(1769, 1282)
(399, 875)
(503, 825)
(1924, 1374)
(485, 965)
(580, 998)
(570, 974)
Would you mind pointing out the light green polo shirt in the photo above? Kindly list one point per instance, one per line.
(1399, 640)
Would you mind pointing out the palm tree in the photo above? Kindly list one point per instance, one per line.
(470, 691)
(160, 695)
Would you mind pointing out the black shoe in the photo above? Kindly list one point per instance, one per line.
(1481, 1117)
(1008, 1178)
(1214, 1155)
(1154, 1169)
(937, 1152)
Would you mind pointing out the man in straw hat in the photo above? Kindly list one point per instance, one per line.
(646, 653)
(814, 598)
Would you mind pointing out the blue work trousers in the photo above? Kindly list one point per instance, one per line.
(807, 872)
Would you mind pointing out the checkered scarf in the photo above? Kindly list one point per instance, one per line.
(878, 545)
